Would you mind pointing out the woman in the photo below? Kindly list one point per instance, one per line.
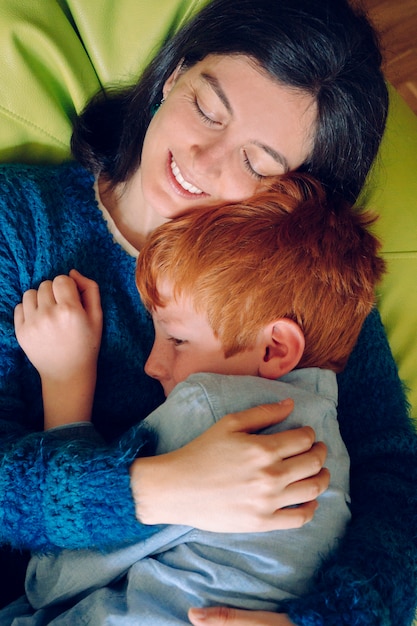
(294, 86)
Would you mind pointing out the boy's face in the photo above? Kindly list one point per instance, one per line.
(185, 344)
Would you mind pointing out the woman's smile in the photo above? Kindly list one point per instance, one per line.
(184, 185)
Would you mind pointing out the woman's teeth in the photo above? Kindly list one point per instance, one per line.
(181, 180)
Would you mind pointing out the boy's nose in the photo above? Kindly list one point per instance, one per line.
(155, 368)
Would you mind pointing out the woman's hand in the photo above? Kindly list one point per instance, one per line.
(231, 480)
(222, 616)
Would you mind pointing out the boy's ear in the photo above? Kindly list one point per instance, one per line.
(284, 346)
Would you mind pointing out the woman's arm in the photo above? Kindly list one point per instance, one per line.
(58, 493)
(59, 328)
(53, 493)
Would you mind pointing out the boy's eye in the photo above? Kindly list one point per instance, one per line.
(176, 342)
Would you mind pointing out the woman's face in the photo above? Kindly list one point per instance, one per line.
(224, 129)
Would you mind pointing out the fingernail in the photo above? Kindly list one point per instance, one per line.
(285, 402)
(199, 613)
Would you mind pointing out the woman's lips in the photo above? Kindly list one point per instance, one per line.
(183, 184)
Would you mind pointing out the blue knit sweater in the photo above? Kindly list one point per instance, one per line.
(50, 494)
(56, 492)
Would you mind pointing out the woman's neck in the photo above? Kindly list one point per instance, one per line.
(126, 206)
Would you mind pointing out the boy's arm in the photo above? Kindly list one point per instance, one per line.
(59, 327)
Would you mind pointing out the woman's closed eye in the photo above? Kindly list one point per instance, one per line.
(213, 123)
(203, 115)
(250, 169)
(217, 120)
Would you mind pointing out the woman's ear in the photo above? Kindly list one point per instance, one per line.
(283, 348)
(172, 79)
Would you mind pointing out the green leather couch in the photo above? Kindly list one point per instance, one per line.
(54, 54)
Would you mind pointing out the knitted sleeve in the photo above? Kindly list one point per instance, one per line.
(53, 492)
(372, 579)
(89, 505)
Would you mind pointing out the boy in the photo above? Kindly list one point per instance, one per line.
(276, 288)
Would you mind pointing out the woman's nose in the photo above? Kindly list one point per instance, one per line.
(209, 158)
(219, 165)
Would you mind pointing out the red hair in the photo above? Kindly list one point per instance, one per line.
(286, 252)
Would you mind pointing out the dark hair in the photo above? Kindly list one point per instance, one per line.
(323, 47)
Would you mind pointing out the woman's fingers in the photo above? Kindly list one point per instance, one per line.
(308, 488)
(259, 417)
(303, 462)
(224, 616)
(292, 453)
(240, 481)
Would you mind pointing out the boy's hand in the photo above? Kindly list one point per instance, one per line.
(59, 327)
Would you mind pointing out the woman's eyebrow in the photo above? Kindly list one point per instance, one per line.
(277, 156)
(215, 85)
(217, 88)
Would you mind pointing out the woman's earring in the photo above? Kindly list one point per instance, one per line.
(156, 106)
